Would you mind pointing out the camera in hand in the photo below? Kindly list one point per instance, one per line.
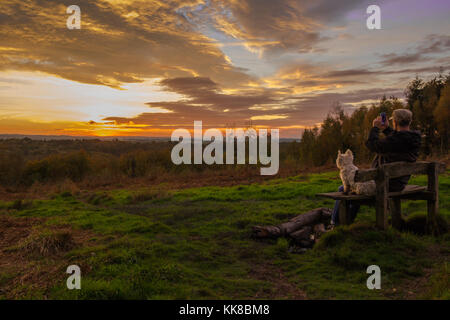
(383, 118)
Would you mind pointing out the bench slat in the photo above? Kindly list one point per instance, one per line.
(366, 175)
(409, 189)
(398, 169)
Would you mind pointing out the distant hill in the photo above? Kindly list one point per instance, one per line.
(121, 138)
(67, 137)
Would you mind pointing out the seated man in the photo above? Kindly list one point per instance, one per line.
(400, 144)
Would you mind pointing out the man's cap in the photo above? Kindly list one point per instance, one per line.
(401, 115)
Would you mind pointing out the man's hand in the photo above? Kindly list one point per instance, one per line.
(377, 123)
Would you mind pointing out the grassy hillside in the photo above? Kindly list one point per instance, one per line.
(195, 244)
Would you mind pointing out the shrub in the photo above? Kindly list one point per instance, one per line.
(47, 243)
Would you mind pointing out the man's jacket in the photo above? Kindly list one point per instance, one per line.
(397, 146)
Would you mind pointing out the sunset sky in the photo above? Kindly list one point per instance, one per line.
(145, 68)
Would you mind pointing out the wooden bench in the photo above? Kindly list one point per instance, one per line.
(382, 197)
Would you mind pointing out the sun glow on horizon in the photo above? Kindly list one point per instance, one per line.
(41, 97)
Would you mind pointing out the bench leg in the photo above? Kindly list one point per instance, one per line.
(433, 210)
(344, 218)
(381, 213)
(381, 199)
(433, 204)
(396, 213)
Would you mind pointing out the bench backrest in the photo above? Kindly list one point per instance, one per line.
(398, 169)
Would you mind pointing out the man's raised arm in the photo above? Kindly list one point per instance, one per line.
(374, 143)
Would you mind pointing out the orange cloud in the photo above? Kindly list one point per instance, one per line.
(119, 42)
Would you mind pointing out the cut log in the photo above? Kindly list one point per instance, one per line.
(308, 218)
(319, 215)
(326, 215)
(266, 232)
(302, 234)
(319, 229)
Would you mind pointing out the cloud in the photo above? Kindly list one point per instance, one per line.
(204, 101)
(119, 42)
(393, 58)
(432, 44)
(203, 91)
(190, 86)
(272, 27)
(349, 73)
(264, 26)
(334, 12)
(435, 43)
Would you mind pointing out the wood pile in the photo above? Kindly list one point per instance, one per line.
(302, 230)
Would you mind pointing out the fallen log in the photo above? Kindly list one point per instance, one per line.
(266, 232)
(319, 229)
(302, 234)
(309, 218)
(299, 221)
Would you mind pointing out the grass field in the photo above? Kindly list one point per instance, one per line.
(195, 243)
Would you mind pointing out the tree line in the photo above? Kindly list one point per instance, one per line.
(428, 100)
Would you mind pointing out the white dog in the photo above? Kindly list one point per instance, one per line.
(344, 162)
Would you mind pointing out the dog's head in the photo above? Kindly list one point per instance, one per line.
(344, 159)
